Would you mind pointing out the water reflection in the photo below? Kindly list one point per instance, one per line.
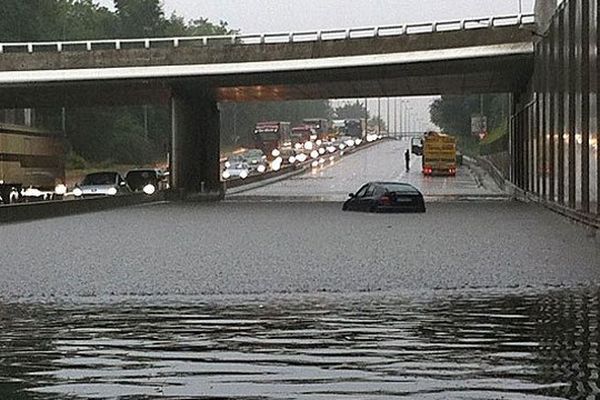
(446, 345)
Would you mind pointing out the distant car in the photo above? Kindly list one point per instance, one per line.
(235, 159)
(256, 160)
(386, 197)
(148, 180)
(101, 184)
(239, 170)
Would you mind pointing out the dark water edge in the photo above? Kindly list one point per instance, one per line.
(522, 344)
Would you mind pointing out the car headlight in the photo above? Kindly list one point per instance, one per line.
(322, 151)
(308, 145)
(314, 164)
(112, 191)
(149, 189)
(60, 190)
(275, 153)
(226, 174)
(276, 164)
(244, 174)
(261, 168)
(314, 154)
(77, 192)
(292, 159)
(357, 142)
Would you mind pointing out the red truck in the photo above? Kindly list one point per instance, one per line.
(270, 136)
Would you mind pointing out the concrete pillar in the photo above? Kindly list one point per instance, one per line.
(195, 136)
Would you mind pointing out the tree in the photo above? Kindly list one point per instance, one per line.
(140, 18)
(356, 110)
(453, 115)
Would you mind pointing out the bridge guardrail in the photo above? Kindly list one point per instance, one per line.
(271, 38)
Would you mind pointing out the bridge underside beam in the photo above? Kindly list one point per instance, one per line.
(195, 142)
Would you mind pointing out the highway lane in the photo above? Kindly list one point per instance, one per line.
(381, 162)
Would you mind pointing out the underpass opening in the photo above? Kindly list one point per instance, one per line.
(362, 140)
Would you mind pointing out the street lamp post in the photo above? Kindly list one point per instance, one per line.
(379, 115)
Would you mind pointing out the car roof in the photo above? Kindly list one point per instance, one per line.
(407, 185)
(102, 173)
(144, 170)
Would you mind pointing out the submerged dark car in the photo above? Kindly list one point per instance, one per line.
(386, 197)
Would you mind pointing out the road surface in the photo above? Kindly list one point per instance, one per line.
(382, 162)
(282, 299)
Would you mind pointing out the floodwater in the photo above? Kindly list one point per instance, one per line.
(534, 344)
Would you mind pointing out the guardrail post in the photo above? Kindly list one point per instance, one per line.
(319, 36)
(175, 42)
(205, 41)
(30, 47)
(348, 33)
(376, 31)
(147, 43)
(88, 46)
(233, 39)
(59, 47)
(262, 38)
(434, 27)
(117, 45)
(463, 25)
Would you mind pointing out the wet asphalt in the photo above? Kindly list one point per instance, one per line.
(282, 247)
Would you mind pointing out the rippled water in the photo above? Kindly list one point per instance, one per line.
(473, 345)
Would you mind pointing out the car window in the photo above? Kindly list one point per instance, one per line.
(361, 192)
(102, 178)
(370, 191)
(400, 188)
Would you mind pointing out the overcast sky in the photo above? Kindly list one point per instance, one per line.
(254, 16)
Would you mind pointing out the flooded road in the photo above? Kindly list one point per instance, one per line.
(536, 344)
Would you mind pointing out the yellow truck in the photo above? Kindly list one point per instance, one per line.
(439, 154)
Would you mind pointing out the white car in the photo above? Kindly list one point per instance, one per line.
(238, 170)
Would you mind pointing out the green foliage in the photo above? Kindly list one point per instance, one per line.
(75, 161)
(356, 110)
(140, 18)
(453, 115)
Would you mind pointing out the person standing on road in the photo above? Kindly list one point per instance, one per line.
(407, 159)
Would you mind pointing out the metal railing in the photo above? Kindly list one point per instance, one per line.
(270, 38)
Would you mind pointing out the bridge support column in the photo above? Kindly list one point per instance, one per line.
(195, 140)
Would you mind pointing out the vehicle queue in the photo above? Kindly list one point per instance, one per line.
(278, 145)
